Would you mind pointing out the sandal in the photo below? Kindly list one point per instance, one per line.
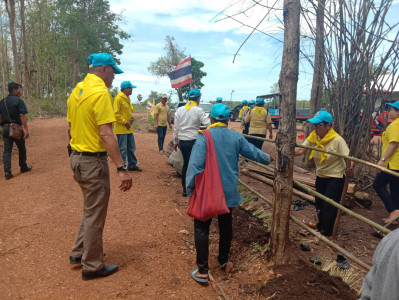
(193, 274)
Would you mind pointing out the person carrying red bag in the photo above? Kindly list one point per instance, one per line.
(228, 145)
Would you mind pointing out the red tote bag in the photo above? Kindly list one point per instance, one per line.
(207, 199)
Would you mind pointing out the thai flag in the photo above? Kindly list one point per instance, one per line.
(149, 105)
(181, 75)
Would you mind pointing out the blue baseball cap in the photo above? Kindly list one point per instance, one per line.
(194, 93)
(395, 104)
(219, 99)
(260, 100)
(127, 84)
(220, 112)
(103, 59)
(245, 102)
(252, 102)
(321, 116)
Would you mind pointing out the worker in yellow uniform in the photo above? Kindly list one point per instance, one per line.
(123, 128)
(244, 107)
(330, 169)
(259, 122)
(162, 119)
(90, 117)
(390, 160)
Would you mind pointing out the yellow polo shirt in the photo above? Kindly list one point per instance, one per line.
(162, 111)
(89, 105)
(332, 166)
(258, 124)
(123, 110)
(242, 111)
(391, 135)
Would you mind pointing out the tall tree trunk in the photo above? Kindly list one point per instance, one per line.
(286, 136)
(10, 5)
(4, 60)
(26, 83)
(180, 94)
(318, 72)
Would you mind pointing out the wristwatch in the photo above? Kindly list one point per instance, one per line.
(121, 168)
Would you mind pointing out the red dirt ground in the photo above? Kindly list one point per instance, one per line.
(147, 233)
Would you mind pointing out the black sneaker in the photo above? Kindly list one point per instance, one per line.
(8, 176)
(105, 271)
(136, 168)
(26, 169)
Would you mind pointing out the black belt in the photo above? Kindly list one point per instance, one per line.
(89, 153)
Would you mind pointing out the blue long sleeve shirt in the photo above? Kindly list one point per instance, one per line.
(228, 146)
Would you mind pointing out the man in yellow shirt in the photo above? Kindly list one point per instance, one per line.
(330, 169)
(90, 119)
(259, 122)
(390, 160)
(162, 119)
(123, 110)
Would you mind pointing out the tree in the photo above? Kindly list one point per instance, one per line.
(166, 64)
(286, 136)
(274, 88)
(154, 96)
(360, 47)
(10, 6)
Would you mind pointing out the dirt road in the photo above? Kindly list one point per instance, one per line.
(40, 214)
(147, 233)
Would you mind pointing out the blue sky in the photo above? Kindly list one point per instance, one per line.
(193, 25)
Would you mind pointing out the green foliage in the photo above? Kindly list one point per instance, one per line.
(151, 119)
(136, 127)
(155, 96)
(59, 37)
(274, 88)
(165, 64)
(114, 91)
(256, 247)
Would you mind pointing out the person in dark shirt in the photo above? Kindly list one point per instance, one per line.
(13, 110)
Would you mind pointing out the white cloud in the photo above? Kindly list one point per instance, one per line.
(229, 43)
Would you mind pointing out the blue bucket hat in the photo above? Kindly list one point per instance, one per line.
(395, 104)
(220, 112)
(321, 116)
(219, 99)
(252, 102)
(245, 102)
(127, 84)
(103, 59)
(260, 101)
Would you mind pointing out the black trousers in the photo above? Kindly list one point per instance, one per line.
(257, 143)
(246, 128)
(185, 148)
(332, 188)
(201, 236)
(8, 144)
(391, 198)
(161, 136)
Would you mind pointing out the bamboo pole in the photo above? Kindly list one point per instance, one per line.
(315, 233)
(358, 160)
(271, 182)
(330, 201)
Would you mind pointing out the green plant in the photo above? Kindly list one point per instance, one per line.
(256, 247)
(136, 127)
(151, 119)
